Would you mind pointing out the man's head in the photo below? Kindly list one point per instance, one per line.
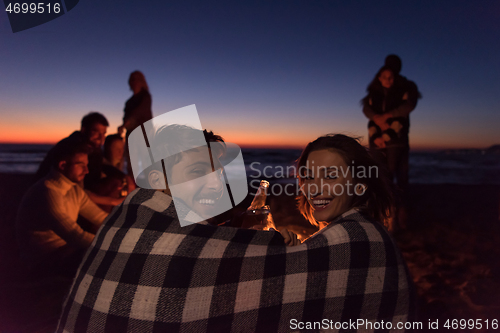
(193, 175)
(94, 126)
(394, 63)
(71, 159)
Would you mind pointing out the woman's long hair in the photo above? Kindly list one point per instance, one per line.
(393, 96)
(375, 87)
(375, 83)
(137, 75)
(378, 200)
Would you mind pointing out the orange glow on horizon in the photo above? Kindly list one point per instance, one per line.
(33, 138)
(265, 140)
(51, 133)
(14, 134)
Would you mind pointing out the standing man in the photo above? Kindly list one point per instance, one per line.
(398, 160)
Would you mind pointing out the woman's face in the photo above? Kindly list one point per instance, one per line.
(386, 78)
(327, 184)
(116, 150)
(135, 83)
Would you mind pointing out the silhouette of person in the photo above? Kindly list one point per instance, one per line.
(48, 234)
(137, 109)
(390, 99)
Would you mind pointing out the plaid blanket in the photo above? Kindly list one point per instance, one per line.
(145, 273)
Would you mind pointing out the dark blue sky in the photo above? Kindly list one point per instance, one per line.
(267, 73)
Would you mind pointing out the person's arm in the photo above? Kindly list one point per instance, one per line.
(410, 99)
(379, 119)
(90, 211)
(290, 237)
(126, 124)
(102, 200)
(140, 113)
(127, 121)
(403, 110)
(367, 108)
(63, 225)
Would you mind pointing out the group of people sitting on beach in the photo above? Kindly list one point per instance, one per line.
(77, 184)
(142, 271)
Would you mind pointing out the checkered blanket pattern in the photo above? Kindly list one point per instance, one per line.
(145, 273)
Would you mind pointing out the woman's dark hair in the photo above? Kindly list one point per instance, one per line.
(65, 149)
(375, 83)
(139, 77)
(108, 142)
(375, 89)
(392, 97)
(378, 199)
(93, 118)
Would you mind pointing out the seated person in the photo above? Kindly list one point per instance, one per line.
(147, 273)
(92, 132)
(113, 151)
(114, 147)
(47, 232)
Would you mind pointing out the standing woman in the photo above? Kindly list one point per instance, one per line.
(137, 109)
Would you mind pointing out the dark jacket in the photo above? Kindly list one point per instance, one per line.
(137, 110)
(399, 101)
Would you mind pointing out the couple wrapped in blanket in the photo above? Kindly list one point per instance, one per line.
(144, 272)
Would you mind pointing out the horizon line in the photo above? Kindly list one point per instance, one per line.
(415, 148)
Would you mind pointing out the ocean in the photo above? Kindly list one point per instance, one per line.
(446, 167)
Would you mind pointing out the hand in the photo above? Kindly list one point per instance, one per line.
(380, 120)
(384, 127)
(290, 237)
(387, 115)
(121, 129)
(259, 226)
(116, 202)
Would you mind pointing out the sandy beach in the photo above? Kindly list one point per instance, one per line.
(450, 246)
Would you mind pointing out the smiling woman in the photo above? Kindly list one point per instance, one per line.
(327, 192)
(336, 174)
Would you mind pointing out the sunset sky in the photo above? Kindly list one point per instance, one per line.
(261, 73)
